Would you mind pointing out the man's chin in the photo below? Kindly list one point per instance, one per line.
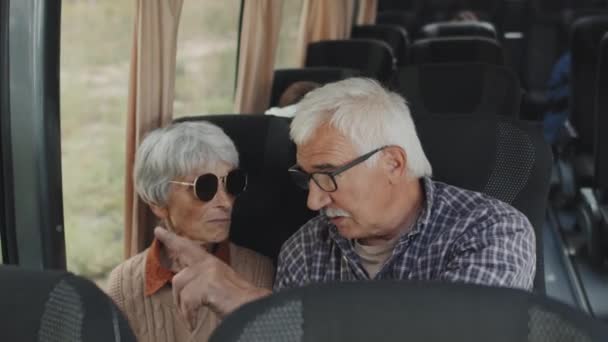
(344, 227)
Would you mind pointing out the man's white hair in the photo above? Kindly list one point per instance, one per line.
(366, 113)
(175, 151)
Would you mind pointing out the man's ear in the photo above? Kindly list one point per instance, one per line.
(395, 162)
(160, 212)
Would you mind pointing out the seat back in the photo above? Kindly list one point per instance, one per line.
(456, 50)
(502, 157)
(283, 78)
(57, 306)
(601, 119)
(272, 208)
(408, 20)
(395, 36)
(408, 311)
(458, 29)
(587, 33)
(372, 58)
(467, 88)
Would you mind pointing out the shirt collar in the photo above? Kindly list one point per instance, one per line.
(158, 276)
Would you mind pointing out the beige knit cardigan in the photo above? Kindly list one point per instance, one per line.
(155, 318)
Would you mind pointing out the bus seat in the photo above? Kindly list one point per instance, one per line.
(372, 58)
(283, 78)
(465, 88)
(395, 36)
(54, 306)
(399, 5)
(592, 201)
(500, 156)
(456, 50)
(586, 34)
(408, 311)
(408, 20)
(456, 29)
(601, 118)
(272, 208)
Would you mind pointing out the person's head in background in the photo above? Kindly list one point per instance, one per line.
(465, 15)
(295, 92)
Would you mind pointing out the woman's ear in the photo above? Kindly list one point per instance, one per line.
(160, 212)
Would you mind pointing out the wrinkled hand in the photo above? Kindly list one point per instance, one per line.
(202, 279)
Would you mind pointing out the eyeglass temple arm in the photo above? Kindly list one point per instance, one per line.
(182, 183)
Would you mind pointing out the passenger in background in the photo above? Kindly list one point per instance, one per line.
(381, 215)
(558, 96)
(466, 15)
(290, 97)
(188, 174)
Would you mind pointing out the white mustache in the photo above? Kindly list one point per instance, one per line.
(334, 212)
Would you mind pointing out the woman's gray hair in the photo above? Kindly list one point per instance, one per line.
(369, 115)
(176, 151)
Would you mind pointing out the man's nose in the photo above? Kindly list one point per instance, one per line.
(317, 198)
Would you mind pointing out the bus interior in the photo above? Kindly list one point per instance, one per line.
(481, 79)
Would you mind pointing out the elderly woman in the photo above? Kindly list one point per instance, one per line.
(188, 174)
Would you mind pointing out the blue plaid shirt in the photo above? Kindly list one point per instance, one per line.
(460, 236)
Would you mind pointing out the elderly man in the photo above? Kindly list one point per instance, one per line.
(382, 217)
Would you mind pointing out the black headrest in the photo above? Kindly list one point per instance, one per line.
(408, 311)
(466, 88)
(399, 5)
(456, 50)
(601, 117)
(371, 57)
(57, 306)
(395, 36)
(409, 20)
(586, 35)
(461, 28)
(272, 208)
(499, 156)
(283, 78)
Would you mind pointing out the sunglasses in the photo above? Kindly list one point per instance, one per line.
(205, 186)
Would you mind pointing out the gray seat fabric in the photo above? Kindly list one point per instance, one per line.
(57, 306)
(407, 311)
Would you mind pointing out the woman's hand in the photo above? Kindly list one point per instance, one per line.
(202, 279)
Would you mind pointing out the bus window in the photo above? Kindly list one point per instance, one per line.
(94, 92)
(288, 35)
(206, 57)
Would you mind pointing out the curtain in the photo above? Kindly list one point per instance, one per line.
(257, 50)
(324, 20)
(367, 12)
(150, 103)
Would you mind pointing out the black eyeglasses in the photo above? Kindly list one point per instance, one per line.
(205, 186)
(326, 180)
